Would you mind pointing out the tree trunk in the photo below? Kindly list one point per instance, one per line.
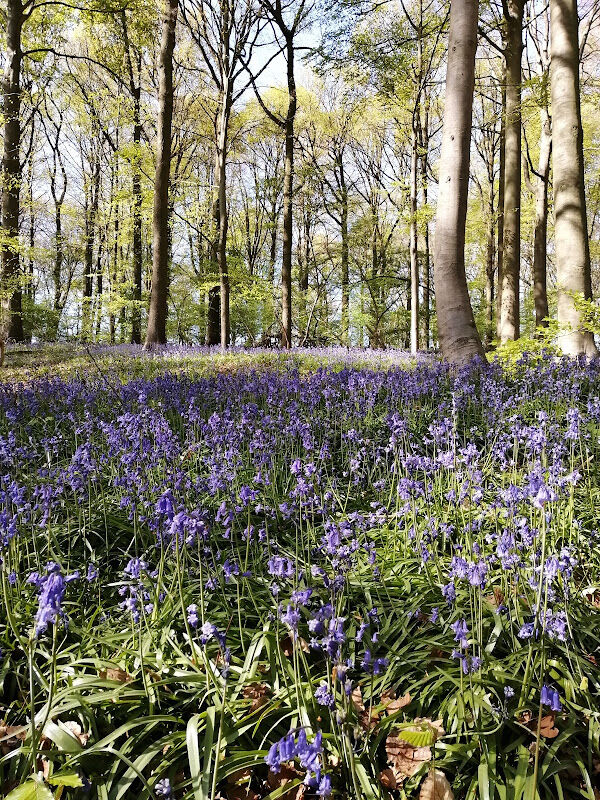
(12, 324)
(540, 295)
(157, 315)
(459, 339)
(424, 140)
(288, 189)
(490, 267)
(136, 192)
(414, 234)
(511, 260)
(345, 253)
(90, 233)
(500, 232)
(58, 263)
(222, 219)
(571, 235)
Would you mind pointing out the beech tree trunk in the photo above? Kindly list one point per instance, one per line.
(459, 339)
(288, 191)
(157, 316)
(345, 253)
(136, 192)
(500, 233)
(91, 214)
(424, 140)
(571, 234)
(414, 237)
(12, 322)
(490, 266)
(540, 295)
(222, 218)
(511, 261)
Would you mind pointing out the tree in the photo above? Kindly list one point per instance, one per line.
(511, 217)
(459, 339)
(11, 173)
(539, 184)
(570, 226)
(225, 33)
(157, 317)
(288, 18)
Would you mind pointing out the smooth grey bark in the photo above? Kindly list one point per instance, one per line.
(12, 323)
(288, 191)
(221, 211)
(459, 339)
(540, 237)
(156, 332)
(500, 232)
(414, 239)
(511, 257)
(136, 192)
(570, 226)
(91, 212)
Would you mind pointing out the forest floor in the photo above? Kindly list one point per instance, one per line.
(267, 576)
(26, 362)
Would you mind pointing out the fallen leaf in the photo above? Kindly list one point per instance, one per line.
(240, 793)
(11, 737)
(388, 779)
(75, 730)
(287, 773)
(239, 776)
(259, 693)
(392, 704)
(405, 759)
(287, 645)
(368, 718)
(115, 674)
(548, 727)
(436, 787)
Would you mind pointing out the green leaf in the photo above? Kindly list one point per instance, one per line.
(32, 789)
(71, 779)
(62, 739)
(418, 738)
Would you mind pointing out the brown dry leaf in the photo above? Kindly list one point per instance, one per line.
(12, 736)
(497, 598)
(287, 645)
(435, 724)
(392, 703)
(436, 787)
(239, 776)
(357, 700)
(437, 652)
(75, 730)
(548, 727)
(115, 674)
(368, 719)
(405, 759)
(259, 693)
(388, 779)
(286, 774)
(240, 793)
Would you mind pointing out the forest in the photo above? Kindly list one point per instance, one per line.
(300, 400)
(268, 174)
